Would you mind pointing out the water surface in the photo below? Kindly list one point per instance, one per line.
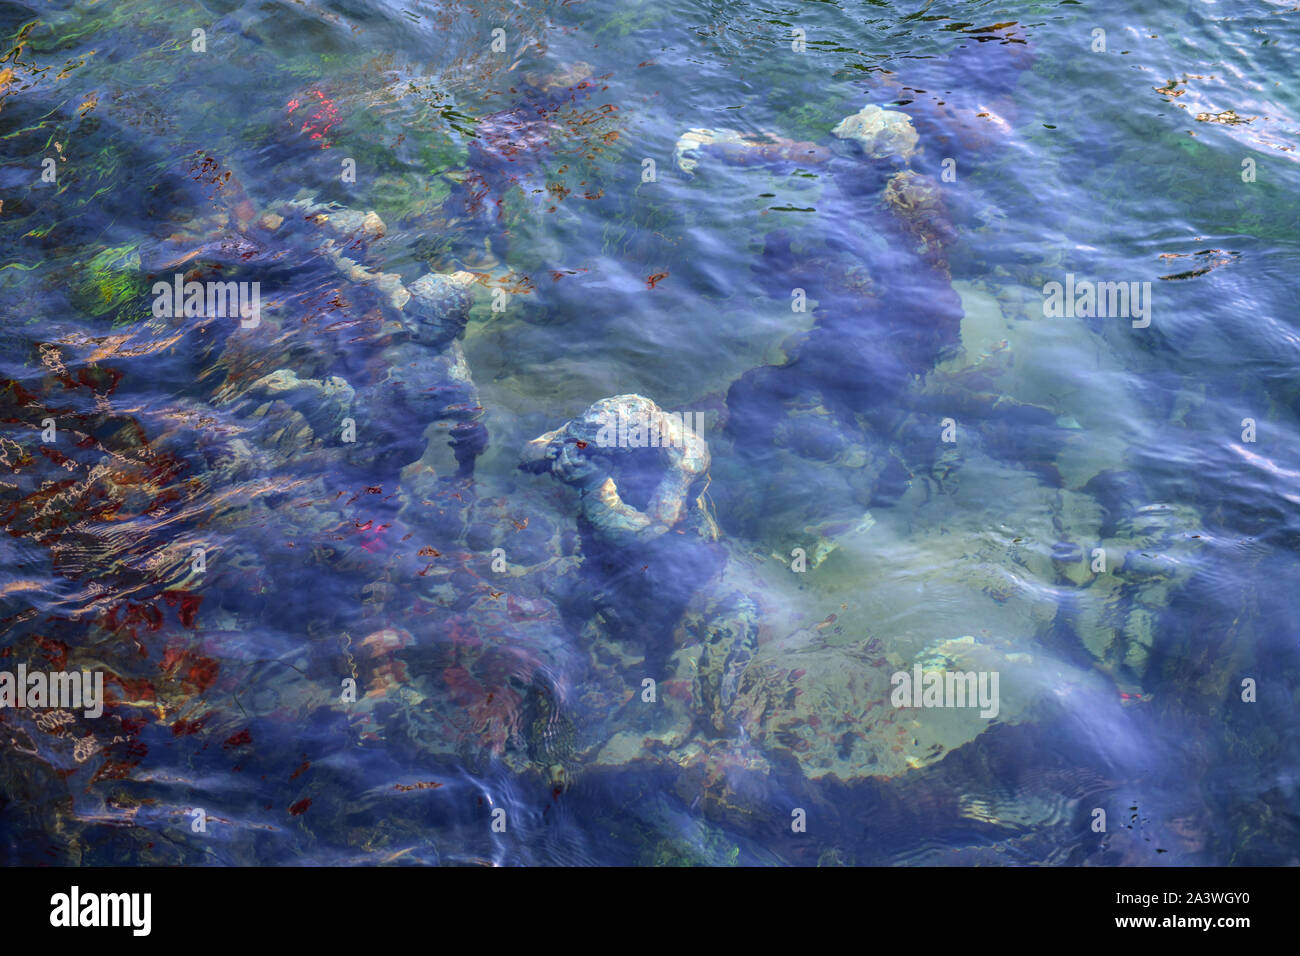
(1166, 155)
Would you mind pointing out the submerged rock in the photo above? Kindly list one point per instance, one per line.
(917, 202)
(1148, 557)
(325, 403)
(880, 132)
(743, 149)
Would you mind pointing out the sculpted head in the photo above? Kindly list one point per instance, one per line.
(438, 308)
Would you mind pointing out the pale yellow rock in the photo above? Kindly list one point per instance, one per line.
(881, 133)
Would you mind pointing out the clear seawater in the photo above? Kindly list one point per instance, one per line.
(1161, 690)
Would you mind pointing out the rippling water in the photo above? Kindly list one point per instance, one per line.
(912, 463)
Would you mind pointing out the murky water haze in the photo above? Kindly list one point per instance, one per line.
(522, 690)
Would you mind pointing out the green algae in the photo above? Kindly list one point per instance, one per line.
(112, 280)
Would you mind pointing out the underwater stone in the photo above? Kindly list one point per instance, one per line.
(812, 436)
(917, 201)
(324, 403)
(881, 133)
(744, 150)
(343, 222)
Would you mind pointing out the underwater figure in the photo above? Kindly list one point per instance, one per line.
(413, 373)
(651, 549)
(873, 267)
(419, 377)
(874, 260)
